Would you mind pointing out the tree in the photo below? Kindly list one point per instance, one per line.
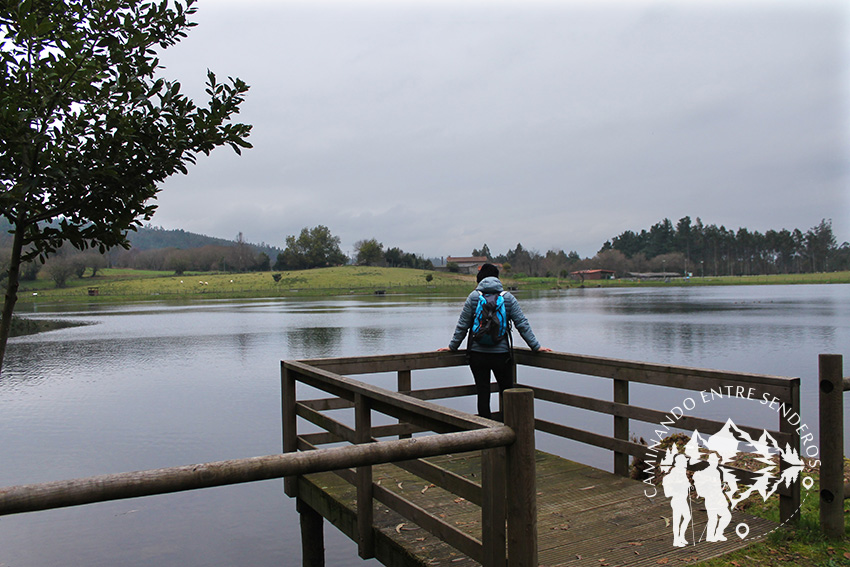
(369, 252)
(314, 248)
(60, 268)
(88, 130)
(820, 244)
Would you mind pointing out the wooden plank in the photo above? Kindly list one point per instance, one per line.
(686, 423)
(663, 375)
(494, 507)
(581, 511)
(365, 492)
(522, 496)
(446, 532)
(621, 427)
(389, 362)
(312, 535)
(789, 504)
(325, 404)
(327, 423)
(445, 479)
(289, 422)
(590, 438)
(406, 408)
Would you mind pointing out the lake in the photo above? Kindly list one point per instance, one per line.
(149, 385)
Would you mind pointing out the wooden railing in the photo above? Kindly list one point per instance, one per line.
(508, 453)
(833, 490)
(507, 449)
(328, 375)
(786, 392)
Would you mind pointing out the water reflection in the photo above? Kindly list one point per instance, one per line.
(162, 384)
(314, 342)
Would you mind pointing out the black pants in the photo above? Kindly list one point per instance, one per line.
(481, 364)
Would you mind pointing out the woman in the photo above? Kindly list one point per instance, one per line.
(495, 358)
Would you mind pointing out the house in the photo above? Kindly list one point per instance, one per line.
(593, 274)
(467, 264)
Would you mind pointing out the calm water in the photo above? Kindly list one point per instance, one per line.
(156, 384)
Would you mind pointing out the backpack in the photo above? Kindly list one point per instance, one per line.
(490, 322)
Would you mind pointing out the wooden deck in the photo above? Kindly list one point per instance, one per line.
(585, 517)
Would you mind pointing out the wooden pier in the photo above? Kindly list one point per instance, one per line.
(416, 483)
(458, 509)
(585, 517)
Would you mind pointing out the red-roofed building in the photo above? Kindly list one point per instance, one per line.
(467, 264)
(593, 274)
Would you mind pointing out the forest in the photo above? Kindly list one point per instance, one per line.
(691, 247)
(686, 247)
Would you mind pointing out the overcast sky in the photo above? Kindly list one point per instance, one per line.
(438, 127)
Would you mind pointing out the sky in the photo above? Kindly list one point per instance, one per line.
(438, 126)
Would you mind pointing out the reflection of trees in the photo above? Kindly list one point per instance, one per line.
(314, 342)
(371, 338)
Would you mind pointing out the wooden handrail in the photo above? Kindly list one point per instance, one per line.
(75, 492)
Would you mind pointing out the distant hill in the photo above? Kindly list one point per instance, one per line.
(153, 238)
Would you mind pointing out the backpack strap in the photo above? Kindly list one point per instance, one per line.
(508, 331)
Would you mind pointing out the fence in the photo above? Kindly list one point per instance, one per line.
(511, 456)
(833, 489)
(508, 450)
(329, 375)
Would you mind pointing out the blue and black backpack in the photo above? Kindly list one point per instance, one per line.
(490, 322)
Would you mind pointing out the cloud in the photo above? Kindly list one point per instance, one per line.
(437, 127)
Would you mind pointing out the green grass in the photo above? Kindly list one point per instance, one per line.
(775, 279)
(802, 545)
(133, 285)
(125, 284)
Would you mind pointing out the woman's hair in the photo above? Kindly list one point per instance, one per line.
(487, 270)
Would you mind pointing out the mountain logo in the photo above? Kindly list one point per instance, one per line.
(720, 487)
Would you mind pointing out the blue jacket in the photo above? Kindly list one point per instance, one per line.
(512, 310)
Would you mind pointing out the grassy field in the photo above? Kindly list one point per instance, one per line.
(131, 285)
(120, 285)
(778, 279)
(803, 545)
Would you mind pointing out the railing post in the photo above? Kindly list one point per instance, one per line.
(621, 427)
(289, 424)
(789, 506)
(830, 371)
(363, 434)
(521, 469)
(405, 384)
(493, 511)
(312, 535)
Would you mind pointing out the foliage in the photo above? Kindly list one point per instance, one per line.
(60, 269)
(88, 130)
(368, 252)
(485, 252)
(712, 250)
(314, 248)
(153, 238)
(398, 258)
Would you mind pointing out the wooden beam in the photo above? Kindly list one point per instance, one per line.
(75, 492)
(831, 406)
(363, 434)
(621, 427)
(662, 375)
(312, 535)
(656, 417)
(522, 472)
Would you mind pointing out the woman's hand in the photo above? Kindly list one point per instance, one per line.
(443, 349)
(543, 349)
